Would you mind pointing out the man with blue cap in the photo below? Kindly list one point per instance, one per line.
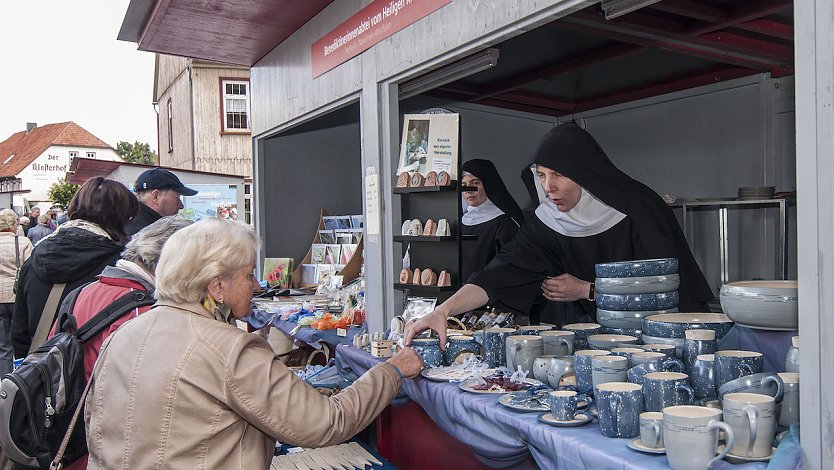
(159, 192)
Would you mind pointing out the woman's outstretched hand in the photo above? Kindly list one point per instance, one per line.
(565, 288)
(436, 321)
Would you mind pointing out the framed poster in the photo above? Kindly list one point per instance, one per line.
(430, 143)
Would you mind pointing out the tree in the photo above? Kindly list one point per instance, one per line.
(137, 152)
(61, 192)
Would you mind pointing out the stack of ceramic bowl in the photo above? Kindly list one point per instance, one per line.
(628, 291)
(756, 192)
(670, 328)
(765, 305)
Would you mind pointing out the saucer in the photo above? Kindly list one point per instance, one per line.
(577, 420)
(781, 436)
(637, 444)
(738, 459)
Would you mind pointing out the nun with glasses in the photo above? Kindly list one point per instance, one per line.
(489, 213)
(589, 212)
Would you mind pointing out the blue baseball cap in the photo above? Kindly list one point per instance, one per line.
(157, 178)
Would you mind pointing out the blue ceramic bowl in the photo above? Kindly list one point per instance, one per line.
(638, 268)
(622, 331)
(621, 302)
(629, 319)
(673, 325)
(637, 285)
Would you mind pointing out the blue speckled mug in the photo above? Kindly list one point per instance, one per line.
(620, 405)
(732, 364)
(429, 351)
(562, 404)
(583, 368)
(458, 346)
(662, 389)
(697, 342)
(495, 353)
(581, 332)
(701, 376)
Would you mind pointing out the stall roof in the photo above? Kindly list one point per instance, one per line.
(238, 32)
(82, 169)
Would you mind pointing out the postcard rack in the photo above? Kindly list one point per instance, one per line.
(351, 269)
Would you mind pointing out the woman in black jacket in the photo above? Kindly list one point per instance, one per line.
(73, 255)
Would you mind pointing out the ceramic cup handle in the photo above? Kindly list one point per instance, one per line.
(752, 418)
(568, 344)
(745, 369)
(613, 404)
(780, 388)
(673, 364)
(516, 349)
(657, 434)
(728, 434)
(688, 390)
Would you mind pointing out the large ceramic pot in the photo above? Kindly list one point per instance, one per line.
(766, 305)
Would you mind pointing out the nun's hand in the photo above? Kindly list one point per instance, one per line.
(436, 321)
(565, 288)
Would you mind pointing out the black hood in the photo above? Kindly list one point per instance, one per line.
(70, 254)
(494, 187)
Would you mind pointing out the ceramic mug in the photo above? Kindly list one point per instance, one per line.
(690, 435)
(494, 346)
(540, 366)
(558, 367)
(620, 405)
(701, 377)
(789, 413)
(558, 342)
(792, 358)
(460, 345)
(429, 351)
(732, 364)
(753, 419)
(662, 389)
(662, 361)
(609, 368)
(651, 429)
(562, 404)
(533, 330)
(581, 332)
(626, 352)
(522, 351)
(697, 342)
(584, 368)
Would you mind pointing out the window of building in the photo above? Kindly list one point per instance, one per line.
(170, 127)
(235, 103)
(89, 155)
(73, 154)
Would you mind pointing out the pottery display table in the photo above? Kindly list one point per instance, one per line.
(503, 438)
(314, 337)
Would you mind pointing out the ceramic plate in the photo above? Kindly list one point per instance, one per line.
(446, 374)
(530, 405)
(637, 445)
(467, 385)
(578, 420)
(737, 459)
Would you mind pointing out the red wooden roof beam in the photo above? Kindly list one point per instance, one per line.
(768, 28)
(743, 14)
(695, 10)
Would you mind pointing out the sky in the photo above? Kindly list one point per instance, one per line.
(61, 61)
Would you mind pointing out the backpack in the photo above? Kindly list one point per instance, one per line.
(39, 399)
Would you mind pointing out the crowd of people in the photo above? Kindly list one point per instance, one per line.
(177, 383)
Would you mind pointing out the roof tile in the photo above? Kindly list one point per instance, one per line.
(26, 147)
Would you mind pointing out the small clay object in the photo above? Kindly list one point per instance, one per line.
(443, 179)
(406, 227)
(430, 228)
(417, 180)
(443, 228)
(428, 278)
(403, 180)
(416, 279)
(405, 276)
(416, 228)
(431, 179)
(444, 279)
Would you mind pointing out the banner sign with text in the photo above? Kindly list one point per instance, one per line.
(372, 24)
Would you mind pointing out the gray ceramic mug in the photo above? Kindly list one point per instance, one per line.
(789, 412)
(609, 368)
(582, 331)
(522, 351)
(558, 367)
(792, 358)
(651, 429)
(495, 352)
(584, 369)
(732, 364)
(690, 435)
(662, 389)
(753, 419)
(620, 405)
(558, 342)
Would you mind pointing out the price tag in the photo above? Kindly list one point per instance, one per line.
(341, 332)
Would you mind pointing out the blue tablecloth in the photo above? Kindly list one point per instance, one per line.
(314, 337)
(502, 438)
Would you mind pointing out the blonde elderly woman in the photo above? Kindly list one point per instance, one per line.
(182, 387)
(14, 250)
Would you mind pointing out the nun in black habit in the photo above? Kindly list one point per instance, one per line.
(590, 212)
(490, 213)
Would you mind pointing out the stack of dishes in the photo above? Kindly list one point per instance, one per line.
(670, 328)
(628, 291)
(756, 192)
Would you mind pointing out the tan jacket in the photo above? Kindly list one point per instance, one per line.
(7, 263)
(177, 389)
